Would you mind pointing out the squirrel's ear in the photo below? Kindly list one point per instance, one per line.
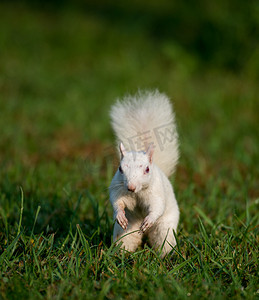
(122, 150)
(150, 152)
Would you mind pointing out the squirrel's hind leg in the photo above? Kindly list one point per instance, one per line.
(162, 235)
(131, 238)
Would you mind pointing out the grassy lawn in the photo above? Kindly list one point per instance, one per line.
(60, 71)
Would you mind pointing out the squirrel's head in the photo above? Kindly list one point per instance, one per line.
(136, 168)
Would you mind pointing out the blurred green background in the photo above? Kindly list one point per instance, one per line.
(62, 65)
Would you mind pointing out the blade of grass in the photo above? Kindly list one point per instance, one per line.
(35, 220)
(21, 212)
(204, 216)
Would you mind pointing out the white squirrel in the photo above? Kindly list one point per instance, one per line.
(141, 194)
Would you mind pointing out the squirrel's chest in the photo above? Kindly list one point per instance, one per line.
(138, 205)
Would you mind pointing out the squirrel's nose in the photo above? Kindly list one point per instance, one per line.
(131, 187)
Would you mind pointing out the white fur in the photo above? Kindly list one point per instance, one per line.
(140, 192)
(144, 114)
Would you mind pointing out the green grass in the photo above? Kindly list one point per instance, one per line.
(60, 72)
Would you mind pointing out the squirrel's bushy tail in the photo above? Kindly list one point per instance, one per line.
(145, 118)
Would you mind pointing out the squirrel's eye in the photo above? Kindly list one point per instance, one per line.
(120, 169)
(147, 170)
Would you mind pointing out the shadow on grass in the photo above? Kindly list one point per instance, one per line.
(53, 214)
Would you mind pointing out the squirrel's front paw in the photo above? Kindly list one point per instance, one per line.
(147, 223)
(121, 219)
